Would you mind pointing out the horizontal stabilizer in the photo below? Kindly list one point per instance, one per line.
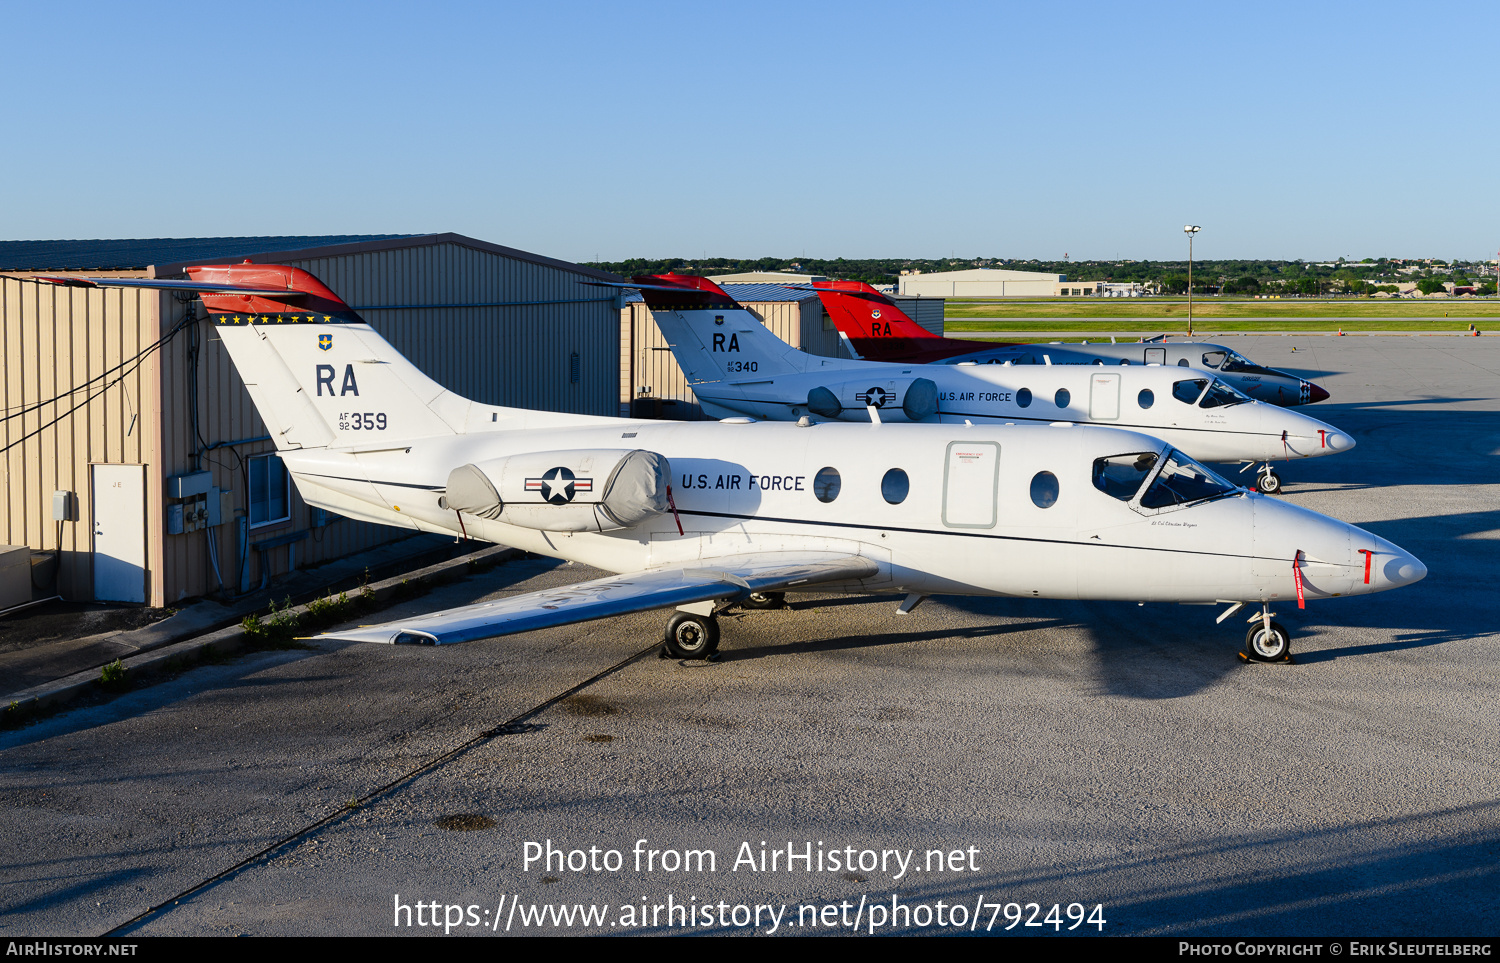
(727, 579)
(195, 287)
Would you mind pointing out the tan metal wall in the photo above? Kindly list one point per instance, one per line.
(647, 360)
(54, 340)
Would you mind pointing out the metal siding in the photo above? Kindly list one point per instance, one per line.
(54, 340)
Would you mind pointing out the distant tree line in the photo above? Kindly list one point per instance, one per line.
(1240, 277)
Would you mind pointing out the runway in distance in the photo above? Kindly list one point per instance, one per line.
(878, 330)
(702, 515)
(737, 366)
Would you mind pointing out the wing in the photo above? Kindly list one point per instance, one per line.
(725, 579)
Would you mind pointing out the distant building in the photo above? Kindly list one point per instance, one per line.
(766, 277)
(986, 283)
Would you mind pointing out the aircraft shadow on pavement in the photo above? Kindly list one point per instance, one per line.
(1407, 874)
(90, 884)
(1399, 446)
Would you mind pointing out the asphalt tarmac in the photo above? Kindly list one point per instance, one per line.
(1013, 751)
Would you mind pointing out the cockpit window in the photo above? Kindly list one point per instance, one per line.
(1213, 359)
(1120, 476)
(1188, 392)
(1181, 481)
(1238, 362)
(1220, 395)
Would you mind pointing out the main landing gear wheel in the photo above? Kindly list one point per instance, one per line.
(1272, 646)
(763, 600)
(692, 636)
(1268, 483)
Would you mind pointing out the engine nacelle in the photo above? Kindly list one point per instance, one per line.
(583, 490)
(897, 399)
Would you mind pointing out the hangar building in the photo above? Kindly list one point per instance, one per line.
(988, 283)
(135, 466)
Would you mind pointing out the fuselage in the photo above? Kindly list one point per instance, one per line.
(1178, 405)
(959, 509)
(1257, 381)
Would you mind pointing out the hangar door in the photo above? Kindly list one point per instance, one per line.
(119, 510)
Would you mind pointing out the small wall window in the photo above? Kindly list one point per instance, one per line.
(826, 484)
(895, 486)
(270, 491)
(1062, 398)
(1044, 489)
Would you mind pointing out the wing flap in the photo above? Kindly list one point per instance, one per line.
(725, 579)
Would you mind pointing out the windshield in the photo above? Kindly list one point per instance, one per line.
(1120, 476)
(1183, 480)
(1238, 362)
(1220, 395)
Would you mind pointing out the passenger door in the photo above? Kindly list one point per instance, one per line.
(971, 476)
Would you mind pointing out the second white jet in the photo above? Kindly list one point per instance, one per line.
(737, 366)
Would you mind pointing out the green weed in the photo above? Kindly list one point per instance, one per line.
(112, 677)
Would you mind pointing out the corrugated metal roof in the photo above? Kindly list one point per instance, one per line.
(138, 254)
(766, 292)
(749, 293)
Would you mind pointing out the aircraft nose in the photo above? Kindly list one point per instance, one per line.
(1387, 565)
(1403, 569)
(1315, 393)
(1339, 441)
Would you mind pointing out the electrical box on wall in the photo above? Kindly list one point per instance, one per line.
(62, 507)
(190, 514)
(186, 486)
(220, 506)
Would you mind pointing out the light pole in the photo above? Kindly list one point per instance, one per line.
(1190, 230)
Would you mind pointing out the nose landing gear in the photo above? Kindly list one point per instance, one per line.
(1267, 641)
(1268, 482)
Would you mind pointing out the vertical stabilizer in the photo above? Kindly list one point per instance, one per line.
(713, 338)
(881, 331)
(319, 375)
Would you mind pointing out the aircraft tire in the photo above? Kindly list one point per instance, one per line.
(1268, 483)
(1261, 647)
(763, 600)
(691, 636)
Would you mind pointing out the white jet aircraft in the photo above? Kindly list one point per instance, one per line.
(703, 515)
(737, 366)
(878, 330)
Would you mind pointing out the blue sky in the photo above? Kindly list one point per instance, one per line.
(1286, 130)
